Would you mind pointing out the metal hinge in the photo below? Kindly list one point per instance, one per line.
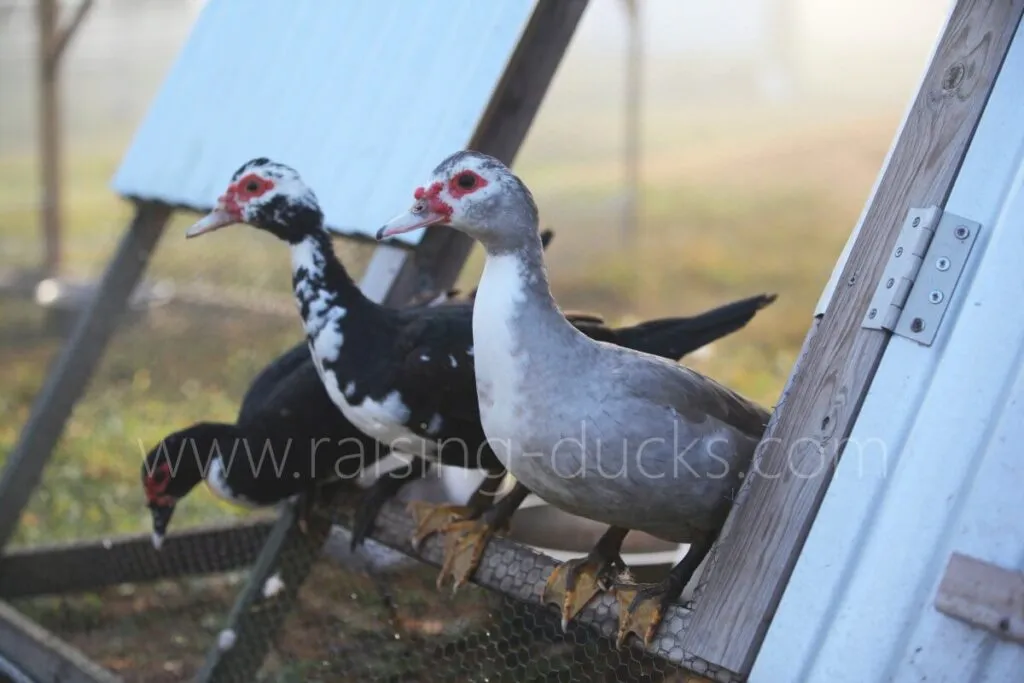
(921, 274)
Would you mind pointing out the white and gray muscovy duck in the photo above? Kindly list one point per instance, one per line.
(601, 431)
(405, 376)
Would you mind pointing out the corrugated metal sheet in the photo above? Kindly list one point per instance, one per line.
(935, 464)
(362, 98)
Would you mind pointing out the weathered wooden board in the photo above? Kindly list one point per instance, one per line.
(809, 430)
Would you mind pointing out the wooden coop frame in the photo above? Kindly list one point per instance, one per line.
(720, 634)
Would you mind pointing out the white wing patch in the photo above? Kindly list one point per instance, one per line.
(217, 482)
(436, 422)
(381, 420)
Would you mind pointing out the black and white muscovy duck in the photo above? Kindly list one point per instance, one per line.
(285, 404)
(604, 432)
(405, 376)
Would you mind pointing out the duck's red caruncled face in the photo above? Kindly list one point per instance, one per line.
(244, 190)
(432, 196)
(459, 185)
(156, 484)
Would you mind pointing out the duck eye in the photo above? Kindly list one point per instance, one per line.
(467, 181)
(252, 186)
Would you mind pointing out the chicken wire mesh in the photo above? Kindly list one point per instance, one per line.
(372, 616)
(369, 616)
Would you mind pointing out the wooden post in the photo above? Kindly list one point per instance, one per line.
(51, 45)
(433, 266)
(769, 524)
(49, 138)
(68, 377)
(634, 82)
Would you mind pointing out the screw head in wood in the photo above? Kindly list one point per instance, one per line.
(942, 263)
(916, 325)
(935, 296)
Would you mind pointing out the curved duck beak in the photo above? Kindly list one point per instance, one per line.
(219, 218)
(161, 518)
(409, 221)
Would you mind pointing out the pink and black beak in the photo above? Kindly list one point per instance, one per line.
(419, 216)
(223, 215)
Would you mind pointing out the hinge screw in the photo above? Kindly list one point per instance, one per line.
(935, 296)
(942, 264)
(916, 325)
(917, 221)
(872, 313)
(899, 252)
(961, 232)
(889, 283)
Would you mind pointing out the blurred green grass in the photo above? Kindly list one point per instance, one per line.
(735, 202)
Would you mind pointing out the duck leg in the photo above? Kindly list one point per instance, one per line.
(379, 492)
(466, 539)
(431, 518)
(575, 582)
(642, 607)
(304, 510)
(317, 495)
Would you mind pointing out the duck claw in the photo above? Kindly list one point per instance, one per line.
(464, 545)
(574, 583)
(641, 609)
(431, 518)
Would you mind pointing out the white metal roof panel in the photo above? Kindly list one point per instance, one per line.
(933, 464)
(362, 98)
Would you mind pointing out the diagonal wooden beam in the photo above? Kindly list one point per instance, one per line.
(439, 257)
(67, 379)
(817, 411)
(43, 656)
